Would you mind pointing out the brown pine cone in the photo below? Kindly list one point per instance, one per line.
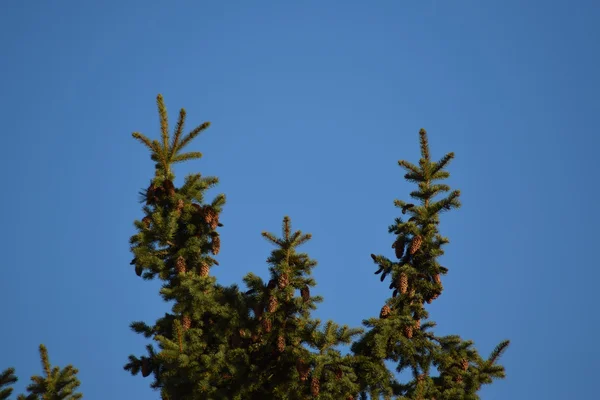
(282, 281)
(408, 332)
(403, 283)
(398, 247)
(169, 188)
(204, 269)
(415, 245)
(465, 364)
(216, 245)
(417, 323)
(186, 322)
(385, 312)
(303, 369)
(280, 344)
(266, 325)
(437, 278)
(180, 265)
(315, 386)
(305, 293)
(273, 303)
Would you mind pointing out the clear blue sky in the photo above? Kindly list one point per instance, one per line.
(312, 103)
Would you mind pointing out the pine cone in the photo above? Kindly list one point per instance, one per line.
(417, 323)
(415, 245)
(242, 333)
(186, 322)
(305, 293)
(180, 205)
(204, 269)
(273, 303)
(138, 270)
(315, 386)
(168, 187)
(408, 331)
(403, 283)
(216, 245)
(145, 367)
(266, 325)
(303, 369)
(280, 343)
(210, 217)
(282, 281)
(465, 364)
(147, 221)
(180, 265)
(271, 285)
(458, 379)
(385, 312)
(398, 247)
(437, 278)
(151, 197)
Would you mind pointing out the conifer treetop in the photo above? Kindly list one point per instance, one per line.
(168, 152)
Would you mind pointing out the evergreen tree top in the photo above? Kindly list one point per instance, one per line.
(168, 151)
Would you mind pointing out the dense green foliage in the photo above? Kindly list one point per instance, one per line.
(56, 384)
(224, 343)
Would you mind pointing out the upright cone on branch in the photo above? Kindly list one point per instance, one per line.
(305, 293)
(315, 386)
(216, 244)
(204, 269)
(267, 325)
(273, 303)
(180, 265)
(403, 283)
(437, 278)
(415, 244)
(385, 312)
(280, 343)
(303, 369)
(408, 331)
(169, 188)
(282, 281)
(186, 322)
(210, 217)
(398, 247)
(464, 364)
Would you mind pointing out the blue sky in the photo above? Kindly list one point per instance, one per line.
(312, 104)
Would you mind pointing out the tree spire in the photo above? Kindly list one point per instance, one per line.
(166, 154)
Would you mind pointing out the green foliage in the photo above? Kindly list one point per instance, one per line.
(56, 384)
(224, 343)
(7, 378)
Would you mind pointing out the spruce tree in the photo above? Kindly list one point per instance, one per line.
(56, 384)
(443, 368)
(224, 343)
